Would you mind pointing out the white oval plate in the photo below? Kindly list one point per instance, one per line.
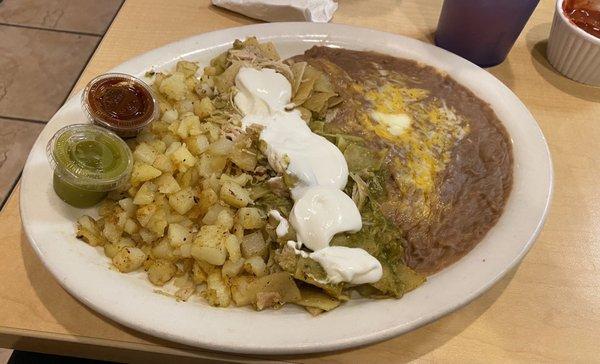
(130, 300)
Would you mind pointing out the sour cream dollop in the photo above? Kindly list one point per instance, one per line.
(321, 208)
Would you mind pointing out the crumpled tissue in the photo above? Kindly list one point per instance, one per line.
(318, 11)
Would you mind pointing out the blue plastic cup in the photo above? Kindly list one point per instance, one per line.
(482, 31)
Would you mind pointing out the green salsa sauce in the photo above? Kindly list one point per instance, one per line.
(88, 162)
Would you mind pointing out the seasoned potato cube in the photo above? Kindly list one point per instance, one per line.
(112, 232)
(158, 223)
(89, 232)
(130, 226)
(128, 206)
(143, 172)
(129, 259)
(170, 116)
(144, 213)
(209, 245)
(183, 158)
(255, 265)
(253, 244)
(145, 195)
(172, 148)
(200, 271)
(244, 159)
(223, 146)
(174, 86)
(178, 235)
(110, 250)
(187, 68)
(163, 163)
(231, 269)
(167, 184)
(203, 108)
(182, 201)
(234, 194)
(225, 219)
(251, 218)
(217, 291)
(145, 153)
(240, 179)
(197, 144)
(210, 164)
(232, 244)
(161, 271)
(158, 145)
(189, 126)
(210, 218)
(242, 290)
(207, 198)
(147, 236)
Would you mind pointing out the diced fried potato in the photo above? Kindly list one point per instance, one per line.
(241, 179)
(217, 291)
(209, 245)
(187, 68)
(210, 164)
(161, 271)
(112, 232)
(255, 265)
(144, 213)
(182, 201)
(163, 163)
(88, 231)
(197, 144)
(143, 172)
(222, 147)
(167, 184)
(244, 159)
(130, 226)
(232, 244)
(110, 250)
(231, 269)
(147, 236)
(210, 218)
(253, 244)
(225, 219)
(158, 223)
(182, 158)
(162, 250)
(129, 259)
(145, 195)
(200, 271)
(234, 194)
(251, 218)
(128, 206)
(178, 235)
(203, 108)
(207, 198)
(189, 126)
(145, 153)
(174, 86)
(170, 116)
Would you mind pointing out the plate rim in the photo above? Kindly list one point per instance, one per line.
(345, 343)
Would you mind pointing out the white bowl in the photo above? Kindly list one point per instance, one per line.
(572, 51)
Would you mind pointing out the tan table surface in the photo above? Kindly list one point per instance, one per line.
(548, 309)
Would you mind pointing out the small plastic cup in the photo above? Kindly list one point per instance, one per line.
(482, 31)
(88, 162)
(121, 103)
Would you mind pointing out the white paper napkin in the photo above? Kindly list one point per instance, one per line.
(318, 11)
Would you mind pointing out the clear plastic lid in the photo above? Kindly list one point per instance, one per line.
(90, 157)
(120, 102)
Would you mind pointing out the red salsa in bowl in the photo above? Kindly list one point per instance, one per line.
(585, 14)
(120, 102)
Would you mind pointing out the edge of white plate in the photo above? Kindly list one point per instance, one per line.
(310, 31)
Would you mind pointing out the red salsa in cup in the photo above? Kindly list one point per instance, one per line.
(120, 102)
(585, 14)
